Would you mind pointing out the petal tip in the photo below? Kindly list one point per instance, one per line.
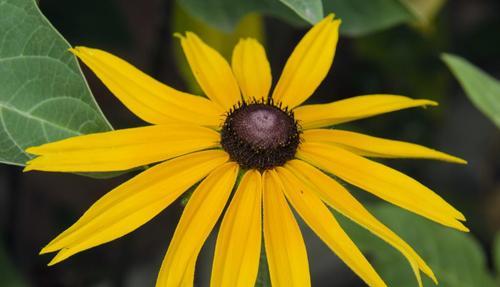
(179, 35)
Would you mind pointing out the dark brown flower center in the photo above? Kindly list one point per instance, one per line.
(260, 135)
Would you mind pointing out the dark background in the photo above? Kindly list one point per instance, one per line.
(36, 206)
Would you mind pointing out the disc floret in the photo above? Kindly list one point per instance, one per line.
(260, 134)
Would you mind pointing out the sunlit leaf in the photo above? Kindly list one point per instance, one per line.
(456, 258)
(482, 89)
(44, 96)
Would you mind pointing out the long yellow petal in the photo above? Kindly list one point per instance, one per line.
(251, 69)
(322, 115)
(382, 181)
(211, 70)
(121, 149)
(285, 248)
(146, 97)
(339, 198)
(375, 147)
(133, 203)
(309, 63)
(237, 251)
(322, 222)
(199, 217)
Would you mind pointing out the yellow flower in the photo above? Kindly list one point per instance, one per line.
(282, 150)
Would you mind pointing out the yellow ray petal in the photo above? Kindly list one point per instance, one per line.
(199, 217)
(315, 116)
(133, 203)
(211, 70)
(336, 196)
(146, 97)
(122, 149)
(188, 278)
(309, 63)
(322, 222)
(237, 252)
(285, 248)
(375, 147)
(382, 181)
(251, 69)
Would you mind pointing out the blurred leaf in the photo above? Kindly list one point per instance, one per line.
(225, 14)
(44, 96)
(9, 276)
(424, 10)
(456, 258)
(249, 26)
(482, 89)
(496, 254)
(310, 10)
(361, 17)
(263, 277)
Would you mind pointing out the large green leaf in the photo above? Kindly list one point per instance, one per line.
(44, 96)
(361, 17)
(456, 258)
(482, 89)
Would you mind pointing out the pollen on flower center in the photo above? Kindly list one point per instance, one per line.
(260, 135)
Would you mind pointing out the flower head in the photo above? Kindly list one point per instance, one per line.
(283, 150)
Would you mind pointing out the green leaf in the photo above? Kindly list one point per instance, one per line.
(482, 89)
(309, 10)
(44, 96)
(496, 254)
(361, 17)
(455, 257)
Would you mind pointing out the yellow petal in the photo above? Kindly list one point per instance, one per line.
(146, 97)
(285, 248)
(322, 222)
(251, 69)
(309, 64)
(237, 251)
(133, 203)
(198, 218)
(382, 181)
(336, 196)
(122, 149)
(375, 147)
(211, 70)
(315, 116)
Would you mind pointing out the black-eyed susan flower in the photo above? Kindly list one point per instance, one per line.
(282, 150)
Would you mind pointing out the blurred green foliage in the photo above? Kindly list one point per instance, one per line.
(9, 276)
(455, 257)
